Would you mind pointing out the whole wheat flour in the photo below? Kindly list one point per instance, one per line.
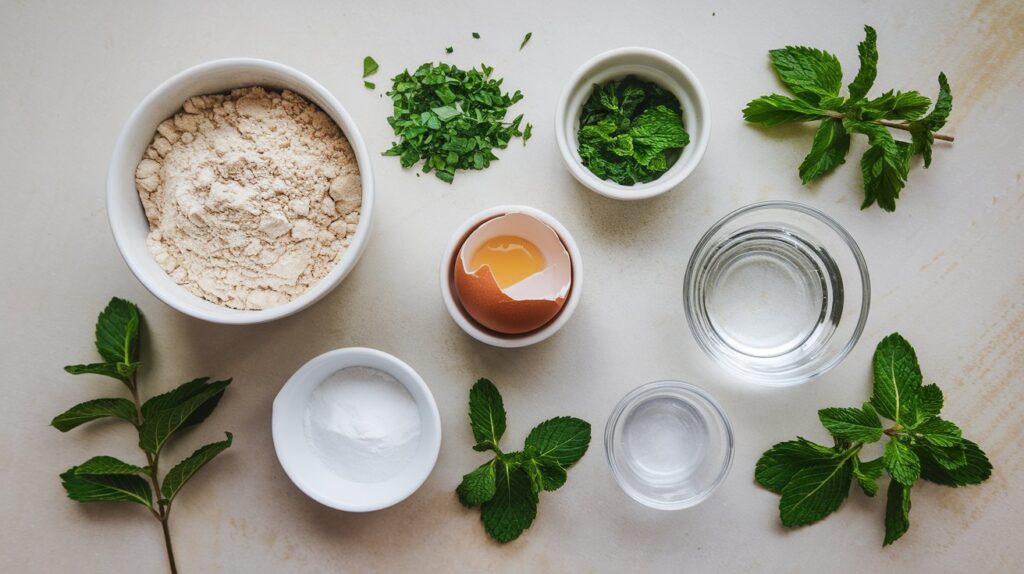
(252, 197)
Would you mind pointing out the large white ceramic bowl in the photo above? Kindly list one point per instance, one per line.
(124, 209)
(305, 468)
(646, 64)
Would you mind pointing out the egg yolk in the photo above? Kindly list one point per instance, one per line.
(510, 258)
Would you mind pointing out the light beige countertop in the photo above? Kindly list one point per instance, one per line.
(947, 271)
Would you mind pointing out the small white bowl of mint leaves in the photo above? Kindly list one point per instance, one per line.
(632, 123)
(356, 429)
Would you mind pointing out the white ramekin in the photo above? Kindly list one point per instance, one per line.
(474, 329)
(302, 464)
(124, 209)
(650, 65)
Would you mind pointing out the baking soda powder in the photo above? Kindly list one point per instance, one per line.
(364, 424)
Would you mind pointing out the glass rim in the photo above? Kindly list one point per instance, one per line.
(691, 393)
(782, 379)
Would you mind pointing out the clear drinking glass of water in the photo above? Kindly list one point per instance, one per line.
(778, 292)
(669, 444)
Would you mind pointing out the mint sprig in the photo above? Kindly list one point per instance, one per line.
(814, 479)
(108, 479)
(815, 78)
(506, 487)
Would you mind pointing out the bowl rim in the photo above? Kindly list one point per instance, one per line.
(340, 359)
(644, 190)
(485, 335)
(758, 377)
(337, 112)
(694, 394)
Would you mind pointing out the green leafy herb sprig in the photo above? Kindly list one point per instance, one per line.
(506, 487)
(629, 131)
(815, 77)
(814, 479)
(451, 119)
(108, 479)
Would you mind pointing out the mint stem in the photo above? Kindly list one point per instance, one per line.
(891, 124)
(163, 512)
(905, 126)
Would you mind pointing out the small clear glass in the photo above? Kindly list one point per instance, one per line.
(777, 292)
(669, 444)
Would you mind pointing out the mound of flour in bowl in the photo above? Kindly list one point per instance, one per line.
(252, 197)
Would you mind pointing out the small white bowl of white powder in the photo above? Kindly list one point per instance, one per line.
(240, 191)
(356, 429)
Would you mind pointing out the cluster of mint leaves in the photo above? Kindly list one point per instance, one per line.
(452, 119)
(630, 131)
(506, 487)
(109, 479)
(814, 479)
(815, 77)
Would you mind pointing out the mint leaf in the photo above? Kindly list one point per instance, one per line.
(908, 106)
(478, 486)
(546, 474)
(897, 512)
(108, 465)
(897, 377)
(119, 371)
(921, 131)
(513, 507)
(885, 175)
(815, 491)
(187, 468)
(943, 106)
(976, 467)
(369, 85)
(656, 130)
(525, 40)
(106, 487)
(370, 66)
(92, 410)
(184, 393)
(774, 109)
(902, 462)
(117, 332)
(854, 425)
(867, 474)
(809, 73)
(831, 142)
(562, 439)
(527, 133)
(868, 53)
(159, 427)
(929, 401)
(486, 415)
(781, 462)
(939, 432)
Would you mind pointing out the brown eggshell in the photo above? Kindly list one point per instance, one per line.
(488, 305)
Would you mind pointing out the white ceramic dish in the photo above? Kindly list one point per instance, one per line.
(474, 329)
(128, 220)
(304, 467)
(647, 64)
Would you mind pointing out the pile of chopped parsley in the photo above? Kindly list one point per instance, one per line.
(631, 131)
(451, 119)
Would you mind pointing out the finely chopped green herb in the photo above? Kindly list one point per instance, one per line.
(451, 119)
(631, 131)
